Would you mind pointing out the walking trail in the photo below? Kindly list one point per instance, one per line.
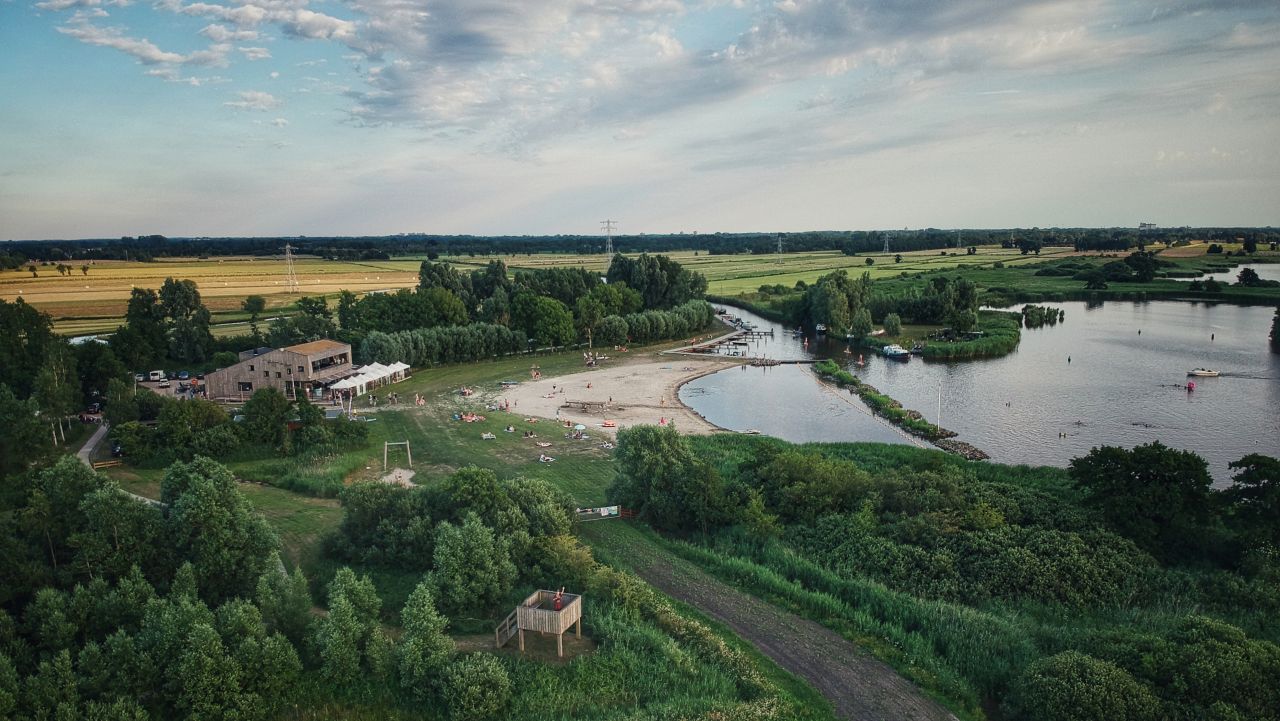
(85, 454)
(859, 686)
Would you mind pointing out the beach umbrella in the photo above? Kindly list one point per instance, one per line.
(579, 427)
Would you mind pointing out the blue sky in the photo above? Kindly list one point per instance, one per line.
(257, 117)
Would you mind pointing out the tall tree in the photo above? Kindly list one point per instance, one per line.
(472, 567)
(188, 320)
(590, 311)
(658, 475)
(424, 647)
(24, 437)
(254, 305)
(214, 526)
(1157, 496)
(28, 335)
(57, 389)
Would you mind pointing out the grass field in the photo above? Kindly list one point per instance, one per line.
(735, 274)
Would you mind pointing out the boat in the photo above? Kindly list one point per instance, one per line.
(820, 328)
(896, 352)
(1203, 373)
(751, 432)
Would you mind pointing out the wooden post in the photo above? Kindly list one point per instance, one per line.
(521, 634)
(560, 645)
(496, 642)
(579, 628)
(409, 452)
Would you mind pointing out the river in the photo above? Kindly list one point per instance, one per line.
(1120, 387)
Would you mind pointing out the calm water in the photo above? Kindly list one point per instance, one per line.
(1265, 271)
(1119, 388)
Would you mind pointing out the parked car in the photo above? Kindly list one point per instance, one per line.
(156, 375)
(183, 375)
(199, 376)
(165, 383)
(139, 377)
(95, 407)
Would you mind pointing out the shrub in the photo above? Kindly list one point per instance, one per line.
(476, 687)
(1072, 686)
(892, 324)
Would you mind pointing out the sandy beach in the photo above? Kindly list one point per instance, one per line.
(634, 391)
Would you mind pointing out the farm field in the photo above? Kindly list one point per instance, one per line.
(735, 274)
(94, 302)
(82, 304)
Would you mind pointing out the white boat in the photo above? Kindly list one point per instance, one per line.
(820, 328)
(896, 352)
(1203, 373)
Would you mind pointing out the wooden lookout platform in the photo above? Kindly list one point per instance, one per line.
(538, 613)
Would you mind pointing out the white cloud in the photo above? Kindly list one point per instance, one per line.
(144, 50)
(255, 53)
(254, 100)
(280, 122)
(224, 34)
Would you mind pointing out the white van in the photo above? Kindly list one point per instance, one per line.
(157, 375)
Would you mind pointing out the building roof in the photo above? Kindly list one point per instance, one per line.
(317, 346)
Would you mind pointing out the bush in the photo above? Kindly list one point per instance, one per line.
(215, 442)
(892, 324)
(1072, 686)
(476, 687)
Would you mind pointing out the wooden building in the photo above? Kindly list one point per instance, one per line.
(298, 370)
(538, 613)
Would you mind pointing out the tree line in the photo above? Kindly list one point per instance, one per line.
(148, 247)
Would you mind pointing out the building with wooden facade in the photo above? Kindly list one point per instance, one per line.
(299, 370)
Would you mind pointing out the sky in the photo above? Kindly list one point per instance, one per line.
(352, 117)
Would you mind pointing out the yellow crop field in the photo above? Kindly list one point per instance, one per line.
(95, 301)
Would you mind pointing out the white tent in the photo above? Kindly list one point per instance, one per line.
(371, 376)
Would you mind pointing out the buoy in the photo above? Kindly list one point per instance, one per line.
(1191, 385)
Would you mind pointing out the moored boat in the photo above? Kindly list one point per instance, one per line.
(820, 328)
(1203, 373)
(896, 352)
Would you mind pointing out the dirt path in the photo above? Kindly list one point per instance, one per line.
(859, 686)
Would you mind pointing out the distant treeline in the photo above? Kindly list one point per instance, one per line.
(148, 247)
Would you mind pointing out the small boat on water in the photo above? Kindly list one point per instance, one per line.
(896, 352)
(1203, 373)
(751, 432)
(820, 328)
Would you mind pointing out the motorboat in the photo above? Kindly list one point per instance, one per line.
(896, 352)
(1203, 373)
(820, 328)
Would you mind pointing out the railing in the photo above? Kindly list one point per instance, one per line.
(505, 631)
(97, 465)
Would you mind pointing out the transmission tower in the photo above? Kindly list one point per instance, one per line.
(886, 242)
(290, 275)
(779, 248)
(608, 226)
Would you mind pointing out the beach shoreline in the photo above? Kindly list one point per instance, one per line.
(629, 392)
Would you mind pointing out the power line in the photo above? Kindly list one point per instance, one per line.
(290, 274)
(608, 226)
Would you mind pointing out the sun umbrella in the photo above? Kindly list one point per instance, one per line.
(579, 427)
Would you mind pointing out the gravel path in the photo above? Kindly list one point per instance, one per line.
(859, 686)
